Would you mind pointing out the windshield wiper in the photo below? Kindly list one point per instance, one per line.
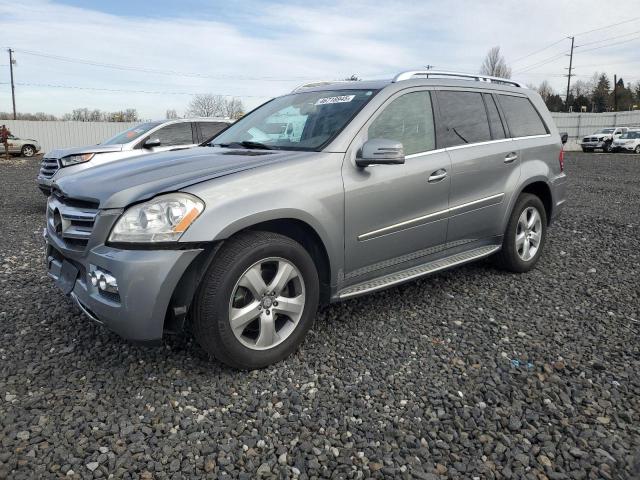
(243, 144)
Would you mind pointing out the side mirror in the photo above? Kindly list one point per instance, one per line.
(564, 137)
(380, 151)
(152, 142)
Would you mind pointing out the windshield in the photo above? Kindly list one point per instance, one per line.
(630, 135)
(131, 134)
(301, 121)
(606, 130)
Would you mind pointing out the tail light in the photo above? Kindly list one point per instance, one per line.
(561, 159)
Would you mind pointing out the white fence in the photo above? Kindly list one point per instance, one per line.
(577, 125)
(65, 134)
(74, 134)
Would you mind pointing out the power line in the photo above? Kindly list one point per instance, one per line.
(607, 26)
(610, 45)
(115, 66)
(152, 92)
(541, 63)
(607, 39)
(538, 51)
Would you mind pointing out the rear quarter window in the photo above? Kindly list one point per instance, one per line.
(522, 117)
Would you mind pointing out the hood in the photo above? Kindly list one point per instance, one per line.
(63, 152)
(120, 183)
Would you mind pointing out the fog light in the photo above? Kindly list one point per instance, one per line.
(103, 280)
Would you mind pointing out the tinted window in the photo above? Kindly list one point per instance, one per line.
(497, 129)
(464, 118)
(522, 117)
(176, 134)
(407, 119)
(209, 129)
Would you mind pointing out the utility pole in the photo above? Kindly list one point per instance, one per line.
(569, 75)
(13, 87)
(615, 92)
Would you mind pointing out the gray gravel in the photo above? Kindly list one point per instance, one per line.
(473, 373)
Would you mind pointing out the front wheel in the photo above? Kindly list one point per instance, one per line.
(585, 149)
(637, 149)
(525, 235)
(257, 300)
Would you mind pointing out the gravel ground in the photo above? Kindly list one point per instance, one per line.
(472, 373)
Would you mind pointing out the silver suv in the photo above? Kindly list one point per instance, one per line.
(149, 137)
(333, 191)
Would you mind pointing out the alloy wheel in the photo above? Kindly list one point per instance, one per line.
(528, 233)
(267, 303)
(28, 151)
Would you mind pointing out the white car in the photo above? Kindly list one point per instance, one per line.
(149, 137)
(629, 142)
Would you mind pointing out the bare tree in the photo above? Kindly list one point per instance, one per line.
(206, 105)
(495, 65)
(545, 90)
(171, 114)
(233, 108)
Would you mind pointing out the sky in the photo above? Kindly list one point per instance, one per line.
(155, 56)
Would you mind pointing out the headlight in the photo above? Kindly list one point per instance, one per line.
(162, 219)
(74, 159)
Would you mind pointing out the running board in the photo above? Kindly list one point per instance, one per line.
(415, 272)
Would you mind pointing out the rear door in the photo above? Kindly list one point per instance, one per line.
(207, 130)
(483, 162)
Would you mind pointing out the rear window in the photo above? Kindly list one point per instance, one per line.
(463, 118)
(522, 117)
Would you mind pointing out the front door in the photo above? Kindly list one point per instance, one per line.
(396, 213)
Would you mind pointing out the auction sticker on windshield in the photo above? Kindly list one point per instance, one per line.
(339, 99)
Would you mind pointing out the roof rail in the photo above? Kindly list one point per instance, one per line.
(318, 83)
(408, 75)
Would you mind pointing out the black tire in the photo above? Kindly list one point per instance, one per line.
(508, 257)
(607, 147)
(211, 326)
(637, 149)
(585, 149)
(28, 151)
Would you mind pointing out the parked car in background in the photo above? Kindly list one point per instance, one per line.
(26, 147)
(149, 137)
(627, 142)
(602, 139)
(369, 184)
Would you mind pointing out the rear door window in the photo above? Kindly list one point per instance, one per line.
(209, 129)
(174, 134)
(463, 118)
(522, 117)
(495, 124)
(407, 119)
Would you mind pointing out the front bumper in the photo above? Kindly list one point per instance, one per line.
(593, 144)
(44, 184)
(146, 281)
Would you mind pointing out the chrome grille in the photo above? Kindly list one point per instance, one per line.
(70, 220)
(49, 167)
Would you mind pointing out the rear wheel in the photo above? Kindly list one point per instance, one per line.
(525, 235)
(28, 151)
(257, 300)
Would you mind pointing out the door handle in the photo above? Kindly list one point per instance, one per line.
(511, 157)
(437, 175)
